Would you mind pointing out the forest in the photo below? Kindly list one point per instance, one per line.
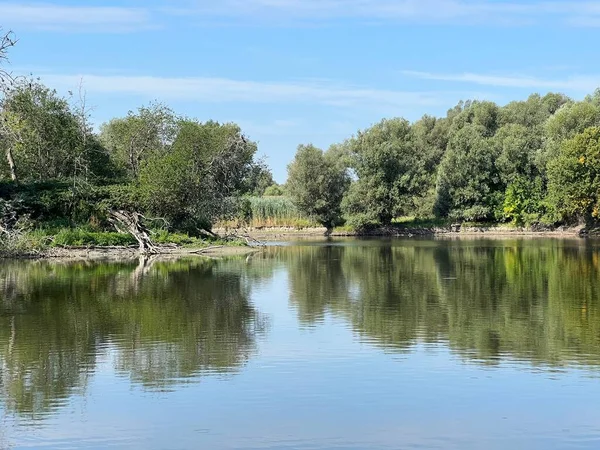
(154, 176)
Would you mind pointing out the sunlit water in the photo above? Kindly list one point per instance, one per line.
(347, 344)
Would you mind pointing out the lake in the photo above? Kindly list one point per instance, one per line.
(340, 344)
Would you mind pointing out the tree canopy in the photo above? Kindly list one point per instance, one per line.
(528, 162)
(317, 184)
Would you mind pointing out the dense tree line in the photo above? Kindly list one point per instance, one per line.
(184, 171)
(152, 162)
(529, 162)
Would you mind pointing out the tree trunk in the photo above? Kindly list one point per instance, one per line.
(130, 222)
(11, 163)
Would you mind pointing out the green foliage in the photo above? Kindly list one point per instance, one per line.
(524, 201)
(273, 191)
(384, 160)
(517, 147)
(259, 180)
(46, 137)
(468, 181)
(482, 163)
(316, 185)
(199, 181)
(133, 139)
(571, 119)
(574, 178)
(245, 211)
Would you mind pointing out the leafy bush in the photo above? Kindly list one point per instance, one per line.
(273, 191)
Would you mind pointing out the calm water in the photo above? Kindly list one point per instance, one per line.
(471, 344)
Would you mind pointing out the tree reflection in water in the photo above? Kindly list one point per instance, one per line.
(163, 323)
(164, 320)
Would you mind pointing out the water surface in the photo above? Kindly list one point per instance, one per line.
(345, 344)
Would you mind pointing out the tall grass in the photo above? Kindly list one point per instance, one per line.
(272, 212)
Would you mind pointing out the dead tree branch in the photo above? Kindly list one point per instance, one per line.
(131, 223)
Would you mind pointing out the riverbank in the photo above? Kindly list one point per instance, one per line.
(288, 233)
(128, 252)
(233, 248)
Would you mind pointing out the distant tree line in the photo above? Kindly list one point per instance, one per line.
(57, 169)
(530, 162)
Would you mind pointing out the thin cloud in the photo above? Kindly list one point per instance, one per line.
(54, 17)
(223, 90)
(574, 83)
(576, 13)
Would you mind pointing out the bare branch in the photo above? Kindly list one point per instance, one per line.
(7, 40)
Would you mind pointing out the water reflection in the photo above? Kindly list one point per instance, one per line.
(164, 321)
(532, 300)
(160, 323)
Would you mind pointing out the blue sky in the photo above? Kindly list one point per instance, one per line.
(301, 71)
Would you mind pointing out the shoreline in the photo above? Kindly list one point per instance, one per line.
(286, 233)
(100, 253)
(290, 234)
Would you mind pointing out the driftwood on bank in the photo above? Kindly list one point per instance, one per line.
(125, 221)
(132, 223)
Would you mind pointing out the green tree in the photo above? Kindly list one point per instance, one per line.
(572, 118)
(7, 41)
(430, 141)
(574, 178)
(44, 136)
(469, 186)
(274, 190)
(384, 160)
(141, 135)
(533, 112)
(202, 178)
(524, 201)
(316, 185)
(259, 179)
(484, 115)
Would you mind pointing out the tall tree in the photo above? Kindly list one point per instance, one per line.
(134, 139)
(574, 178)
(384, 160)
(316, 184)
(44, 136)
(7, 40)
(201, 178)
(469, 186)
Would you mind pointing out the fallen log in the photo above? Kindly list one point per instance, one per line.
(130, 222)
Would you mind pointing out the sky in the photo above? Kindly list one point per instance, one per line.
(293, 72)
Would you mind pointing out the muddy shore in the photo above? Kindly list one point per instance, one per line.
(120, 253)
(266, 235)
(285, 233)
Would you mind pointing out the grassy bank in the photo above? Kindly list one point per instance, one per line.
(43, 241)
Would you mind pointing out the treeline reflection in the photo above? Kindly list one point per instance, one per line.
(536, 301)
(163, 323)
(158, 323)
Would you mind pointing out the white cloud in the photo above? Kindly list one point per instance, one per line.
(578, 13)
(57, 17)
(573, 83)
(47, 16)
(220, 90)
